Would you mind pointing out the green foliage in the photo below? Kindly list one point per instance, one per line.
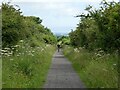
(11, 25)
(99, 28)
(96, 69)
(64, 40)
(16, 27)
(26, 66)
(26, 43)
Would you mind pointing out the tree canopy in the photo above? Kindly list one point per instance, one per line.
(16, 27)
(99, 28)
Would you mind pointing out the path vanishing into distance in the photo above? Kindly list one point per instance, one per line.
(61, 74)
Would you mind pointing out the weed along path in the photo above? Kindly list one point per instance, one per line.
(61, 74)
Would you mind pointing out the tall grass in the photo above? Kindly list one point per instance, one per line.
(96, 69)
(27, 66)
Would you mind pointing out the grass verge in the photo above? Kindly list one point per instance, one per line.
(96, 69)
(28, 67)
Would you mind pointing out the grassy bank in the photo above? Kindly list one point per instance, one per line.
(96, 69)
(27, 67)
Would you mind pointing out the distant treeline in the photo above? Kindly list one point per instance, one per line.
(16, 27)
(99, 28)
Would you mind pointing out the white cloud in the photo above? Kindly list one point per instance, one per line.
(59, 13)
(59, 9)
(63, 0)
(56, 0)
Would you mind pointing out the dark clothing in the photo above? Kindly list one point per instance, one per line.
(58, 46)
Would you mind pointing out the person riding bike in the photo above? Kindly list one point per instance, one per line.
(58, 47)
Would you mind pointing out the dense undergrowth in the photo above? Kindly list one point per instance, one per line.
(99, 28)
(96, 69)
(27, 66)
(27, 49)
(96, 42)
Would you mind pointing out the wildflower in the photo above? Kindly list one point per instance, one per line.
(16, 50)
(84, 47)
(114, 64)
(13, 48)
(32, 54)
(4, 51)
(33, 51)
(11, 59)
(42, 49)
(21, 41)
(23, 47)
(16, 46)
(80, 48)
(75, 49)
(101, 51)
(38, 47)
(105, 69)
(5, 54)
(95, 53)
(112, 68)
(7, 48)
(47, 45)
(16, 73)
(8, 55)
(108, 54)
(18, 55)
(99, 55)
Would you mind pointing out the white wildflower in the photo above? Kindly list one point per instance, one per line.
(47, 45)
(5, 54)
(13, 48)
(17, 46)
(11, 59)
(99, 55)
(23, 47)
(76, 50)
(101, 51)
(7, 48)
(32, 54)
(18, 55)
(42, 49)
(21, 41)
(114, 64)
(4, 51)
(105, 69)
(38, 47)
(33, 51)
(80, 48)
(108, 54)
(8, 55)
(16, 50)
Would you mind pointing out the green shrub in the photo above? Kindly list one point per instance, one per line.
(96, 69)
(27, 67)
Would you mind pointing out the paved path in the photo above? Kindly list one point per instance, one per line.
(61, 74)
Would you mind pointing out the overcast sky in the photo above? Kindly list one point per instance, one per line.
(58, 15)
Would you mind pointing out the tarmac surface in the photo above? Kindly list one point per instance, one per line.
(61, 74)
